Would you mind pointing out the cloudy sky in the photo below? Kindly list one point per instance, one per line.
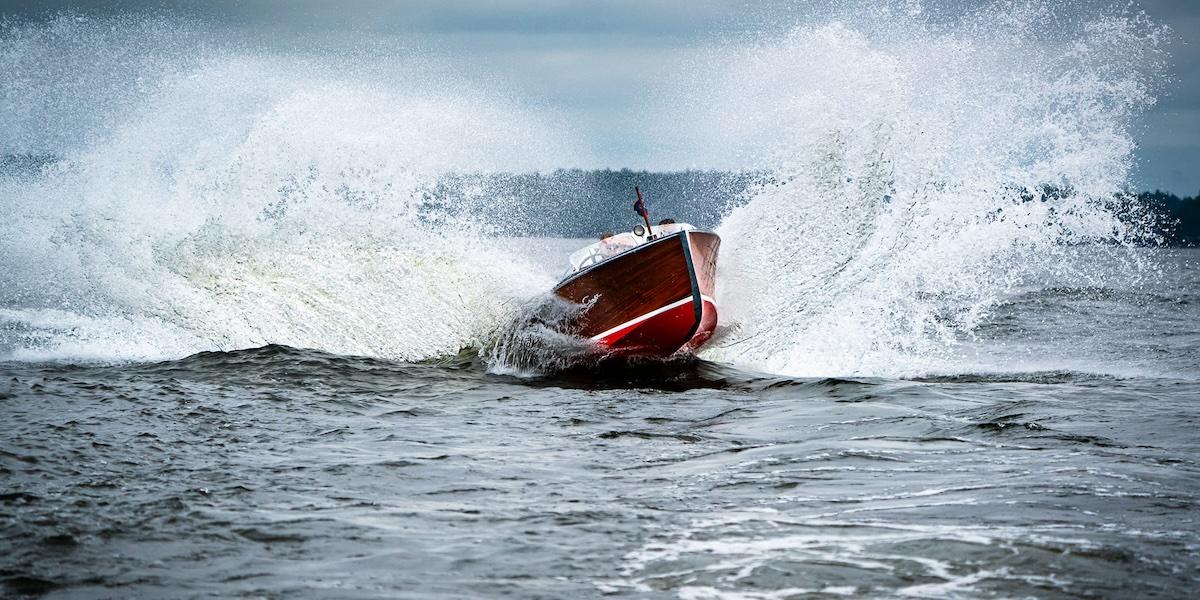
(595, 61)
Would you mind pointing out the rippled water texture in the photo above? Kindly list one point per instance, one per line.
(277, 472)
(254, 344)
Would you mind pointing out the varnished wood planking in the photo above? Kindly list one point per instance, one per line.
(632, 284)
(705, 247)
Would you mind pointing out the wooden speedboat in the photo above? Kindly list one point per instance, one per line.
(647, 293)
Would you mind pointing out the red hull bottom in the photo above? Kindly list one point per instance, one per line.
(652, 300)
(664, 331)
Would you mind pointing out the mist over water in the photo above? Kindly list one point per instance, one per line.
(908, 158)
(246, 199)
(221, 195)
(914, 162)
(274, 319)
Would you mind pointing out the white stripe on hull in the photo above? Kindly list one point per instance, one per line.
(653, 313)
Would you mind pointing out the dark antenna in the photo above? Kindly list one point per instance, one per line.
(640, 208)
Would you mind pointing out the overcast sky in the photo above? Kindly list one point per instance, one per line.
(595, 60)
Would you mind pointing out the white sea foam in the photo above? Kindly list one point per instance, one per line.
(911, 159)
(252, 198)
(229, 196)
(717, 565)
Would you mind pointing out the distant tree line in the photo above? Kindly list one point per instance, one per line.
(586, 202)
(583, 203)
(1180, 217)
(25, 164)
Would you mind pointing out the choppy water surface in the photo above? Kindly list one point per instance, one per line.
(269, 316)
(278, 472)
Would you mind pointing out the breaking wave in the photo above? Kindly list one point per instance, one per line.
(253, 198)
(923, 170)
(920, 167)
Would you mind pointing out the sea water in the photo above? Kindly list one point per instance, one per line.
(250, 350)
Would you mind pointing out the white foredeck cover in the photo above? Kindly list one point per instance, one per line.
(607, 248)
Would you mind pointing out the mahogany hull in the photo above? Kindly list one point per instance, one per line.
(653, 300)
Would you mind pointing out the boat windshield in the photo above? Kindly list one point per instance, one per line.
(616, 244)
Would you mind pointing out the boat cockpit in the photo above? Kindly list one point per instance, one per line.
(617, 244)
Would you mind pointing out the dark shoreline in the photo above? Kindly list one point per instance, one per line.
(1180, 217)
(579, 202)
